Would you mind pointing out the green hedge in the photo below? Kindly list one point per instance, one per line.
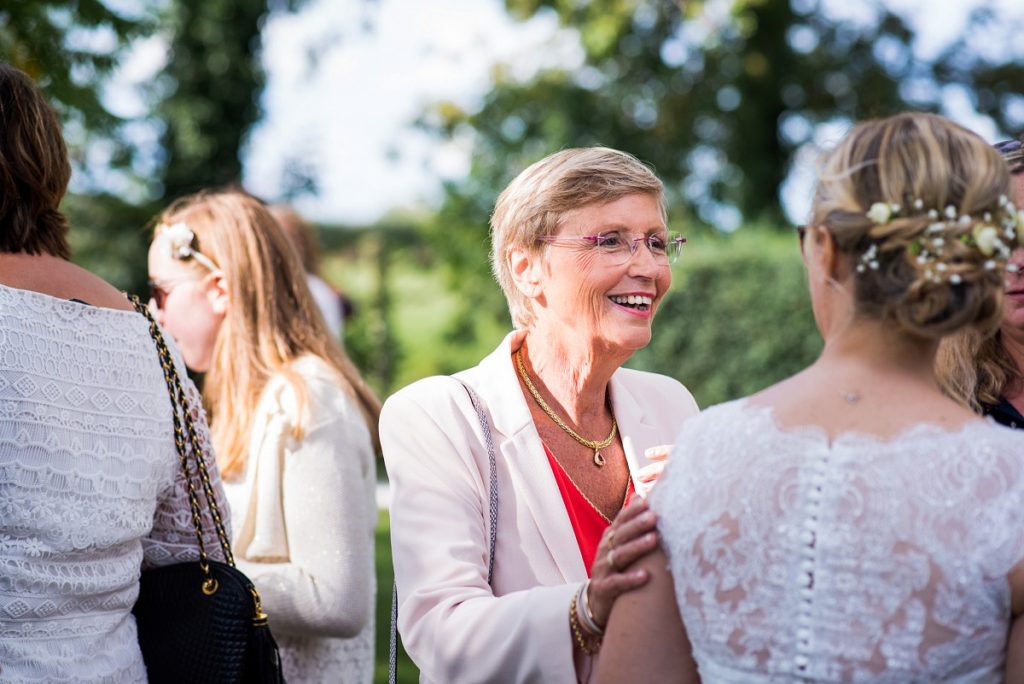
(738, 317)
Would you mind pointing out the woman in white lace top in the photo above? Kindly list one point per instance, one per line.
(90, 483)
(851, 523)
(293, 423)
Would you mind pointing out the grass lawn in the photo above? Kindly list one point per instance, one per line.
(407, 672)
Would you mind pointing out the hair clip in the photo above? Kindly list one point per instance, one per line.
(180, 238)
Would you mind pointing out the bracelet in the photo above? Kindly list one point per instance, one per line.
(577, 634)
(587, 617)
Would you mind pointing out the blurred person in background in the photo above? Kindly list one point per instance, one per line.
(581, 249)
(91, 487)
(853, 523)
(293, 423)
(986, 372)
(335, 306)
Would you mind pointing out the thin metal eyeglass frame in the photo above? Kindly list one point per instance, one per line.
(673, 245)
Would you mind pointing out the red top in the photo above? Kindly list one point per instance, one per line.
(587, 522)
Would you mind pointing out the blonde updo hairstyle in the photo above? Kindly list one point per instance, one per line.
(536, 201)
(973, 366)
(917, 162)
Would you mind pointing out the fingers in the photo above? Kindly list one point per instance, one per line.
(608, 582)
(622, 532)
(650, 473)
(658, 453)
(624, 555)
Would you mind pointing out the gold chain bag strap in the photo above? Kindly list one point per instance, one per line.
(200, 622)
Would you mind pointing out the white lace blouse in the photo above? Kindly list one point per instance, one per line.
(862, 560)
(90, 487)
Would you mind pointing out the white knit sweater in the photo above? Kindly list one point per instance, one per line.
(304, 516)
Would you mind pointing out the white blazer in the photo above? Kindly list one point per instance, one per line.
(455, 627)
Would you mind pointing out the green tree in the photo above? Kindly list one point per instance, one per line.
(716, 94)
(212, 82)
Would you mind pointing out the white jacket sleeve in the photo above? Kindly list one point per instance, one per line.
(327, 491)
(452, 624)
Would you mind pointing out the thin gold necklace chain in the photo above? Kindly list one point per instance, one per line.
(589, 443)
(587, 498)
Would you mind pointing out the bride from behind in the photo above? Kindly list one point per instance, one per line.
(851, 523)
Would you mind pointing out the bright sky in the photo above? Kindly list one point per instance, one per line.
(346, 78)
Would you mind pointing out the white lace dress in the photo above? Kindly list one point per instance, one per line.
(90, 487)
(858, 561)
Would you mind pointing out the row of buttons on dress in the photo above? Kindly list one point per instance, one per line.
(808, 561)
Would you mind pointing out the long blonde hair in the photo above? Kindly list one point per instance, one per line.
(272, 319)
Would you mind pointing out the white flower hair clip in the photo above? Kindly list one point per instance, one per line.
(179, 239)
(994, 237)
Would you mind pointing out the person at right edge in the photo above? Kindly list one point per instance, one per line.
(986, 372)
(583, 254)
(852, 523)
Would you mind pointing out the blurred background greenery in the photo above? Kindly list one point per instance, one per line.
(718, 95)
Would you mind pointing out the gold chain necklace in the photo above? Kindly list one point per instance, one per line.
(589, 443)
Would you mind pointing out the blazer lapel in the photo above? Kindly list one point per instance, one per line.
(638, 432)
(518, 446)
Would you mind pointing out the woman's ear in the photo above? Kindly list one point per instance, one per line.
(825, 254)
(526, 269)
(217, 292)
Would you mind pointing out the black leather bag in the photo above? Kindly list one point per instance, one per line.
(200, 621)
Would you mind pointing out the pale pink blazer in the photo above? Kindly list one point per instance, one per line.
(455, 627)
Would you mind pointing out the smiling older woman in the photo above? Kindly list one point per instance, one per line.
(581, 250)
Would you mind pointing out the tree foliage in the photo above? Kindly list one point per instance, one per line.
(717, 95)
(213, 81)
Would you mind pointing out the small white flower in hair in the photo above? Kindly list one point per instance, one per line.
(956, 279)
(879, 213)
(965, 220)
(1013, 268)
(950, 212)
(933, 214)
(990, 265)
(986, 237)
(179, 239)
(1003, 200)
(919, 204)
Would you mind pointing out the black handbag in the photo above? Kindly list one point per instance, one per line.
(200, 621)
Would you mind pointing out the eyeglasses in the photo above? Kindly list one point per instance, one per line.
(616, 250)
(160, 290)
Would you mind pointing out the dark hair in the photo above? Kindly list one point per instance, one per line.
(34, 170)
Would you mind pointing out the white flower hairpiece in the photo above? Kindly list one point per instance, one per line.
(995, 240)
(179, 238)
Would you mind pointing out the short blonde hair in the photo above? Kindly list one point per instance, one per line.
(927, 160)
(535, 202)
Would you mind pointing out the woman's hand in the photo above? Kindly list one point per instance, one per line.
(631, 536)
(650, 473)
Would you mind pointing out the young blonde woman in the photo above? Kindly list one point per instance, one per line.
(292, 422)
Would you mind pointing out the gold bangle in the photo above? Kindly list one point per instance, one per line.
(574, 624)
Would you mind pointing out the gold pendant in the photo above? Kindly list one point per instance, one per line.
(598, 459)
